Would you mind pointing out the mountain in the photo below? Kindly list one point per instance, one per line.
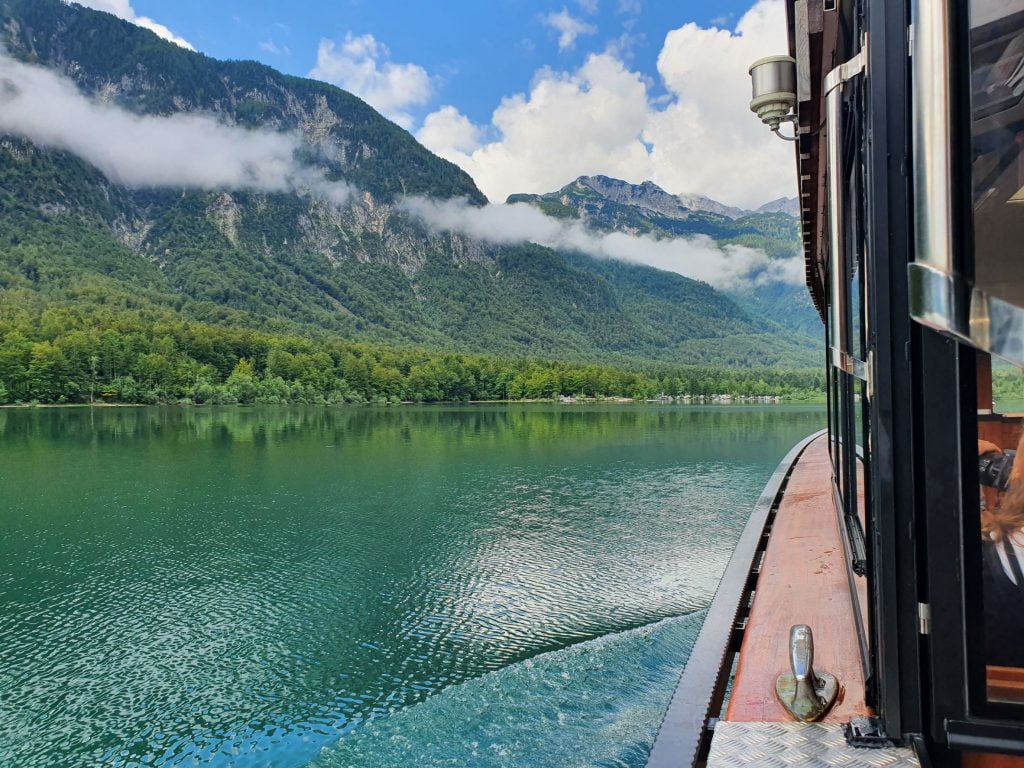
(78, 251)
(787, 205)
(707, 205)
(611, 205)
(650, 198)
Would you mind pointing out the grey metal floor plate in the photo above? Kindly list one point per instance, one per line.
(808, 745)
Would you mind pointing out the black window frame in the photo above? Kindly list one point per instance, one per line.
(848, 348)
(944, 362)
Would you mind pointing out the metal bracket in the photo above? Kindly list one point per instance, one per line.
(857, 368)
(867, 733)
(806, 694)
(848, 69)
(924, 618)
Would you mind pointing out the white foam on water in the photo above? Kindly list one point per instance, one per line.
(597, 703)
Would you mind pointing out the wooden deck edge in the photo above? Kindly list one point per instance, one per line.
(803, 579)
(682, 736)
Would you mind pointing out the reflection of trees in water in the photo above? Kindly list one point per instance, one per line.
(715, 429)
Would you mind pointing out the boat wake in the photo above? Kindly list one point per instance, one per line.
(597, 703)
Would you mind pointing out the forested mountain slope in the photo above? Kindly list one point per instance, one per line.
(607, 204)
(79, 253)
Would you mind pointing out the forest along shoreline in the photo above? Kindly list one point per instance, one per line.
(731, 400)
(225, 367)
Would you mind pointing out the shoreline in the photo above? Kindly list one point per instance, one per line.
(547, 401)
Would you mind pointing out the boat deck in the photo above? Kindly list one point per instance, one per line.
(802, 579)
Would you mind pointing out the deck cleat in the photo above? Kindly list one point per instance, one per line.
(806, 694)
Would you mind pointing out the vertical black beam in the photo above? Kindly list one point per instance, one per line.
(848, 429)
(892, 526)
(944, 421)
(828, 397)
(869, 646)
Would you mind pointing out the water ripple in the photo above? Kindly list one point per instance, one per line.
(598, 703)
(247, 587)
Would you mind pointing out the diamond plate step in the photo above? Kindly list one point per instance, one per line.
(808, 745)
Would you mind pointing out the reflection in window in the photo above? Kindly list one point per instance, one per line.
(1001, 523)
(997, 134)
(997, 168)
(1002, 527)
(1007, 388)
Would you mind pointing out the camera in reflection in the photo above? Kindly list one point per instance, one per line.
(994, 469)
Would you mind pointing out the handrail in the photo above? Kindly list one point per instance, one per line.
(836, 233)
(698, 697)
(933, 131)
(942, 297)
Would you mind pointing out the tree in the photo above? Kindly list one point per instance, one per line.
(94, 361)
(46, 374)
(280, 363)
(15, 353)
(156, 372)
(241, 384)
(244, 367)
(386, 382)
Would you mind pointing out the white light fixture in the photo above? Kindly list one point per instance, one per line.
(773, 80)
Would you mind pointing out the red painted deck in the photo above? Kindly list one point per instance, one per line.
(803, 581)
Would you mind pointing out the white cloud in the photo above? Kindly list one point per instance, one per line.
(623, 46)
(588, 6)
(449, 128)
(586, 122)
(698, 257)
(601, 118)
(361, 66)
(182, 150)
(707, 139)
(271, 47)
(568, 28)
(123, 10)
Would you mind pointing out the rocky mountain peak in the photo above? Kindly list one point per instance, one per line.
(646, 195)
(650, 196)
(787, 205)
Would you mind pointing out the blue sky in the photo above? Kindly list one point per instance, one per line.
(478, 50)
(527, 95)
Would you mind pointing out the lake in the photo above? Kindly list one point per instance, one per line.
(450, 585)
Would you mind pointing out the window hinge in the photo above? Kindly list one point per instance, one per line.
(870, 371)
(924, 618)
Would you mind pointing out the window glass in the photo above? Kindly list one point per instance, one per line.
(833, 416)
(997, 187)
(858, 417)
(856, 309)
(1001, 526)
(1007, 388)
(997, 136)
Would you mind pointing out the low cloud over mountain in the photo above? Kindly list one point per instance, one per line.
(182, 150)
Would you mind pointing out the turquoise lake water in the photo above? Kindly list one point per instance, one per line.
(412, 586)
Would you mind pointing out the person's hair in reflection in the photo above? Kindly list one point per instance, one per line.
(1002, 527)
